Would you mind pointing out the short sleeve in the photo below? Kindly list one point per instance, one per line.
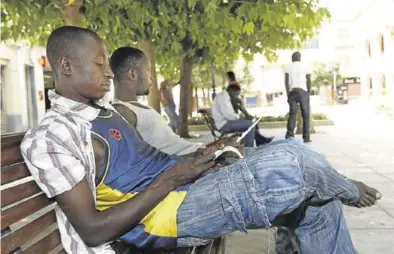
(52, 166)
(307, 69)
(287, 68)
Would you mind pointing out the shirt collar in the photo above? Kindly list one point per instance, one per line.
(69, 106)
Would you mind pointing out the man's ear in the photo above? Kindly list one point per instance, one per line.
(132, 74)
(65, 66)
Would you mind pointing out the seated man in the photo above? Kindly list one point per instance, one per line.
(146, 120)
(83, 150)
(228, 121)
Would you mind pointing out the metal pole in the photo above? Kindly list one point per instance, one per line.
(335, 86)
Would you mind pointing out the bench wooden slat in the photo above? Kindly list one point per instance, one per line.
(14, 172)
(10, 155)
(10, 140)
(19, 192)
(15, 240)
(46, 244)
(20, 211)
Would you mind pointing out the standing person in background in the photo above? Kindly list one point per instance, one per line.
(167, 99)
(298, 86)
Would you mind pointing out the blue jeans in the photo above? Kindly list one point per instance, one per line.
(241, 125)
(272, 180)
(172, 115)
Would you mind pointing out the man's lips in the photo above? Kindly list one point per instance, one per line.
(107, 87)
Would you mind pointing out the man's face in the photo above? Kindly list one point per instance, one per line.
(144, 77)
(91, 73)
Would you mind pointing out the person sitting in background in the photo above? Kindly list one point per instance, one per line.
(167, 100)
(148, 122)
(228, 121)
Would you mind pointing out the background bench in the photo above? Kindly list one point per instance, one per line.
(28, 222)
(216, 133)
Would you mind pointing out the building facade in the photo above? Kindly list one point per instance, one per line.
(22, 86)
(375, 49)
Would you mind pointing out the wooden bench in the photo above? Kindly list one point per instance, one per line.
(216, 133)
(28, 222)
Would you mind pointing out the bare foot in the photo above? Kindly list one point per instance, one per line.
(368, 195)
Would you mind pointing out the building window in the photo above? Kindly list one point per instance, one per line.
(368, 48)
(381, 43)
(251, 101)
(382, 81)
(312, 44)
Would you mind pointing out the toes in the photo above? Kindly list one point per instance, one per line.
(368, 201)
(362, 203)
(373, 193)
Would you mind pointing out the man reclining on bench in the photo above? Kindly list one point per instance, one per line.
(151, 199)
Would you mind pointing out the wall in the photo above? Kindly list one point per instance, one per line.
(15, 57)
(374, 23)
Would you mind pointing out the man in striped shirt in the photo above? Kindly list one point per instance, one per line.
(259, 191)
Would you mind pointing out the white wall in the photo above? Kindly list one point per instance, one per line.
(16, 57)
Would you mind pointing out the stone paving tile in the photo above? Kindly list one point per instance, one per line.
(373, 241)
(364, 156)
(255, 242)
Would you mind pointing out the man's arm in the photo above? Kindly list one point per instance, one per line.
(74, 195)
(287, 84)
(95, 227)
(308, 83)
(244, 111)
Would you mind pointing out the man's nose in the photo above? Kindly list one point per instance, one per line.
(109, 74)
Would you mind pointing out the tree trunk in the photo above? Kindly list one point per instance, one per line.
(209, 97)
(213, 80)
(299, 122)
(71, 15)
(196, 97)
(204, 97)
(153, 97)
(186, 90)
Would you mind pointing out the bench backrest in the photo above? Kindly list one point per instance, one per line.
(28, 222)
(206, 113)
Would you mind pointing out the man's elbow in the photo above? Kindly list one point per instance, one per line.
(92, 235)
(93, 239)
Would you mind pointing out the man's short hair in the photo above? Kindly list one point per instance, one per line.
(230, 75)
(296, 56)
(68, 41)
(123, 59)
(234, 87)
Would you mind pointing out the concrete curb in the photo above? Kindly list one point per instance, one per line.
(266, 125)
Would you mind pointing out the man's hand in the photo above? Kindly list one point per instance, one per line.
(249, 117)
(190, 169)
(230, 141)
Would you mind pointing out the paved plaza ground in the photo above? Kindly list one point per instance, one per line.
(362, 148)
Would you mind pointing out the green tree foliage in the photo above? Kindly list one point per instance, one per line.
(323, 74)
(181, 32)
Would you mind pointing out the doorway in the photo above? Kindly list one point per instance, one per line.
(31, 96)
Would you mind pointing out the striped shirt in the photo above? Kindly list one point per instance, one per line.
(59, 155)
